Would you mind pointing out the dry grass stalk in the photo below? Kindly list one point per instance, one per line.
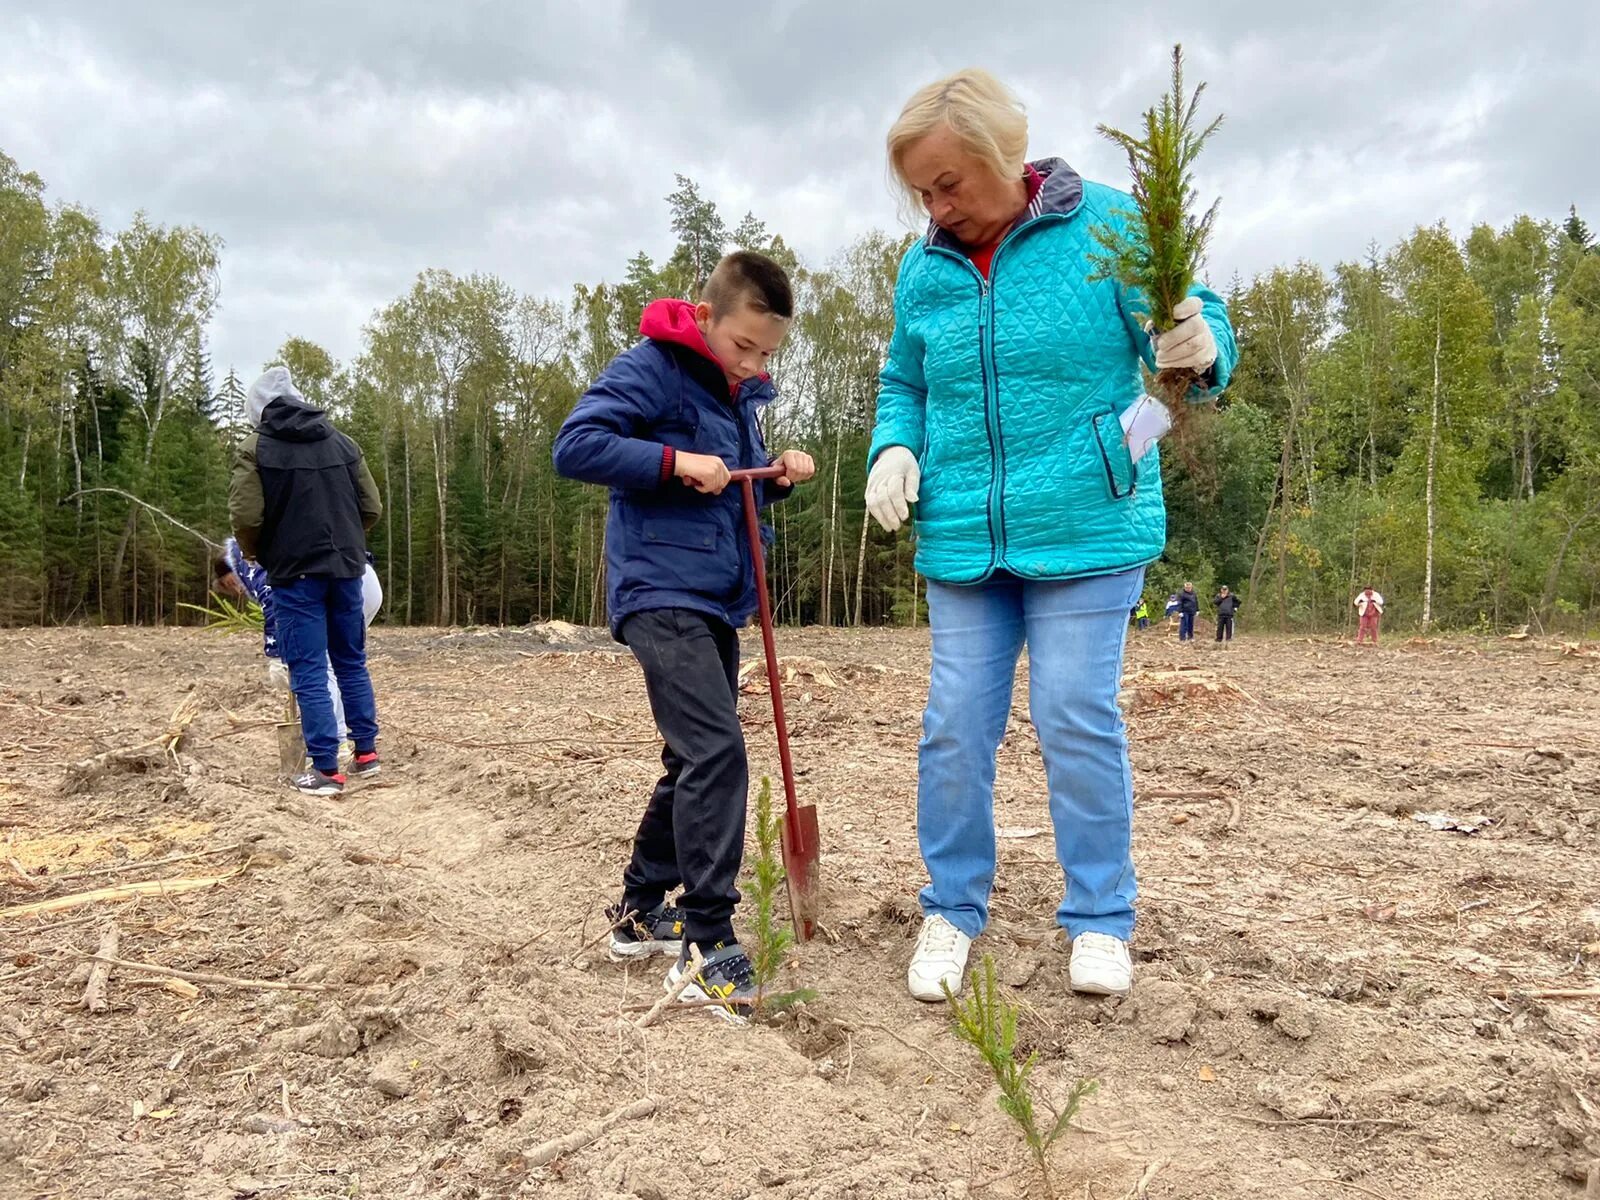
(120, 891)
(262, 985)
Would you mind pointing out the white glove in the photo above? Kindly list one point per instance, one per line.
(277, 674)
(1188, 344)
(892, 487)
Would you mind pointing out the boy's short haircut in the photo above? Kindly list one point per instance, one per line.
(752, 279)
(220, 567)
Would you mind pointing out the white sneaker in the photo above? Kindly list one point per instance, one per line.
(940, 958)
(1100, 965)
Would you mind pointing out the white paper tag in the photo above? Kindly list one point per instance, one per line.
(1144, 423)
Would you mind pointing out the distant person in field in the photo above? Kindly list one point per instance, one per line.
(662, 427)
(1226, 604)
(1188, 609)
(998, 418)
(241, 578)
(1369, 606)
(1142, 614)
(1171, 608)
(301, 502)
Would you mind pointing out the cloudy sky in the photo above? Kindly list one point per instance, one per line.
(340, 148)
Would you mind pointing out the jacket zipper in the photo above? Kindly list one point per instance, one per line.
(991, 419)
(988, 414)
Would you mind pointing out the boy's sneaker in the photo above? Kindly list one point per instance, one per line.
(727, 976)
(1100, 965)
(318, 783)
(659, 931)
(364, 766)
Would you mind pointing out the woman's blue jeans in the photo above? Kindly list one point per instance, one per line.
(1075, 631)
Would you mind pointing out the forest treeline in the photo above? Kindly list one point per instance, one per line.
(1426, 419)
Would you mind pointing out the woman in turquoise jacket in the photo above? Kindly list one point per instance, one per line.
(999, 427)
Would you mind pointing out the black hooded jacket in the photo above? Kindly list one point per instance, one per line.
(302, 497)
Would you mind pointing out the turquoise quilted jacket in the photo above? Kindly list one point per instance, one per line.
(1009, 394)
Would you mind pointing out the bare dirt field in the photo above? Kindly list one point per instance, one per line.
(1333, 998)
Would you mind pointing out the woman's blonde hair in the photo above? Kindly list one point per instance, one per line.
(983, 112)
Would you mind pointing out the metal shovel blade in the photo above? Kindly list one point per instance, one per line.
(802, 853)
(291, 741)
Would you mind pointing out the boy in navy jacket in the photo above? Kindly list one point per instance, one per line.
(662, 427)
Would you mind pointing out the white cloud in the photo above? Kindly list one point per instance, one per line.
(340, 149)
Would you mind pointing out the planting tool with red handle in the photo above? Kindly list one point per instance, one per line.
(802, 850)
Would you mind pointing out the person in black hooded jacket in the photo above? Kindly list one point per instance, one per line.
(1188, 607)
(301, 502)
(1227, 604)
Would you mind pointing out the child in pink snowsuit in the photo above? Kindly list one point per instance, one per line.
(1370, 605)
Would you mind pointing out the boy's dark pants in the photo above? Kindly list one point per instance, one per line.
(693, 829)
(1224, 629)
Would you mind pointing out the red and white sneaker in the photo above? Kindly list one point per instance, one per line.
(318, 783)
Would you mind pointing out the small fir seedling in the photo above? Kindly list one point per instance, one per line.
(1158, 252)
(772, 937)
(987, 1021)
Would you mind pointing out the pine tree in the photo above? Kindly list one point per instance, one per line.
(751, 233)
(1577, 230)
(702, 236)
(197, 375)
(226, 409)
(641, 285)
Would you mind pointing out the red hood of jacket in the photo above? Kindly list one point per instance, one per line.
(670, 320)
(673, 321)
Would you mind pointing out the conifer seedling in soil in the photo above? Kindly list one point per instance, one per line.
(987, 1021)
(772, 937)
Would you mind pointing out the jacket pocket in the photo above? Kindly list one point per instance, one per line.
(1122, 473)
(932, 457)
(681, 534)
(679, 434)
